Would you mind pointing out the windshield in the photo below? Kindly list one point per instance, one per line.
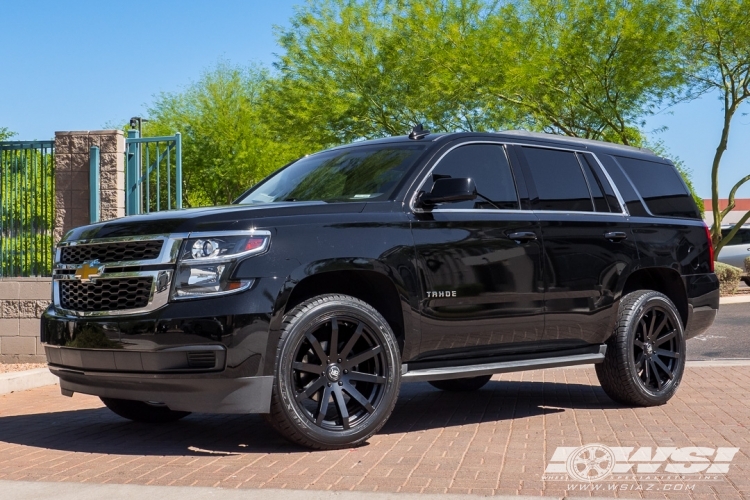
(352, 174)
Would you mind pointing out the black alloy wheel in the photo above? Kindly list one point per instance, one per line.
(645, 357)
(656, 352)
(337, 373)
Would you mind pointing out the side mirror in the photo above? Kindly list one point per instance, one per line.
(448, 190)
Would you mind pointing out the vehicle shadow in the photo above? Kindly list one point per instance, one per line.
(419, 407)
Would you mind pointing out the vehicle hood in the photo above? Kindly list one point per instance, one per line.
(220, 218)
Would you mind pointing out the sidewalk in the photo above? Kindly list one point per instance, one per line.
(497, 441)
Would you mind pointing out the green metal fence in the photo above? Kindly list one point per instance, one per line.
(27, 208)
(153, 173)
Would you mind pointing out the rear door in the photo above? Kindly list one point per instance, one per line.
(479, 261)
(588, 244)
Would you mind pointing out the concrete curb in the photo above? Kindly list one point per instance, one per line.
(27, 379)
(735, 299)
(25, 490)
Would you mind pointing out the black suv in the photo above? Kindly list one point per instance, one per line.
(443, 258)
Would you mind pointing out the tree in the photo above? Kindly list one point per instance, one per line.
(227, 143)
(6, 134)
(586, 68)
(717, 58)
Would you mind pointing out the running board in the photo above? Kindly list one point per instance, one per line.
(451, 372)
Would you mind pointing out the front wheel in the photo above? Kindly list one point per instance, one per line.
(337, 373)
(141, 411)
(645, 356)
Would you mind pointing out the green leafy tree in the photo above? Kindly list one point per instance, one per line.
(716, 40)
(227, 142)
(6, 134)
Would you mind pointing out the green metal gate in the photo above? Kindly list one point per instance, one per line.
(153, 173)
(27, 208)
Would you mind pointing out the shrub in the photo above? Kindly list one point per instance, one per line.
(747, 265)
(729, 278)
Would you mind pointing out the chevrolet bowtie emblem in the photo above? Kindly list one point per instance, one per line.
(89, 270)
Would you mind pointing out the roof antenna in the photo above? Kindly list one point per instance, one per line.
(418, 132)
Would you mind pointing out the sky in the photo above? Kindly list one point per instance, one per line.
(86, 65)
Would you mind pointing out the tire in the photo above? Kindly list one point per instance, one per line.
(645, 357)
(461, 384)
(354, 393)
(140, 411)
(746, 280)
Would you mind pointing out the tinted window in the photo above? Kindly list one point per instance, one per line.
(741, 238)
(626, 189)
(661, 187)
(350, 174)
(595, 187)
(558, 180)
(609, 193)
(488, 166)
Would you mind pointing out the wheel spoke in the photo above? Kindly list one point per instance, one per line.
(307, 367)
(353, 340)
(660, 327)
(644, 328)
(668, 354)
(334, 347)
(313, 387)
(358, 397)
(366, 377)
(647, 372)
(655, 373)
(664, 368)
(319, 352)
(638, 343)
(639, 362)
(341, 405)
(359, 358)
(651, 326)
(665, 337)
(323, 406)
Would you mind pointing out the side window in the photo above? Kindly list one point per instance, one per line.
(488, 166)
(741, 238)
(609, 192)
(660, 187)
(595, 187)
(559, 181)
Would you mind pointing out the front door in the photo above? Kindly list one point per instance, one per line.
(479, 262)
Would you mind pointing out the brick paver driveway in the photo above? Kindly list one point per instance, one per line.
(495, 441)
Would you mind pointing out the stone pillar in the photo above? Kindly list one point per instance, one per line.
(72, 151)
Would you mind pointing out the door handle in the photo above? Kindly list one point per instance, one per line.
(522, 236)
(615, 235)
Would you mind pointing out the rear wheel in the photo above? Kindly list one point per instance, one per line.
(746, 280)
(461, 384)
(645, 357)
(141, 411)
(337, 373)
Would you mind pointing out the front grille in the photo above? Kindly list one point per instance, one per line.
(112, 252)
(201, 359)
(105, 294)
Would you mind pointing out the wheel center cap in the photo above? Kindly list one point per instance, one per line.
(649, 349)
(334, 373)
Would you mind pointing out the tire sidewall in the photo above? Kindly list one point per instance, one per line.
(288, 349)
(644, 303)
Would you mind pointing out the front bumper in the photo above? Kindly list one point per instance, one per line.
(178, 392)
(205, 355)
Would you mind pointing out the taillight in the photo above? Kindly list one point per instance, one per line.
(710, 248)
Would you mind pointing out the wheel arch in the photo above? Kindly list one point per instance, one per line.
(664, 280)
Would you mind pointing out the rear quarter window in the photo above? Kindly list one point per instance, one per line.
(661, 187)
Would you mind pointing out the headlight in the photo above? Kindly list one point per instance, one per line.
(207, 261)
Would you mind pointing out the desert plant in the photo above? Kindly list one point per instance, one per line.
(729, 278)
(747, 265)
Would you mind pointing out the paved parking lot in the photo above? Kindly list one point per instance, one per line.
(498, 440)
